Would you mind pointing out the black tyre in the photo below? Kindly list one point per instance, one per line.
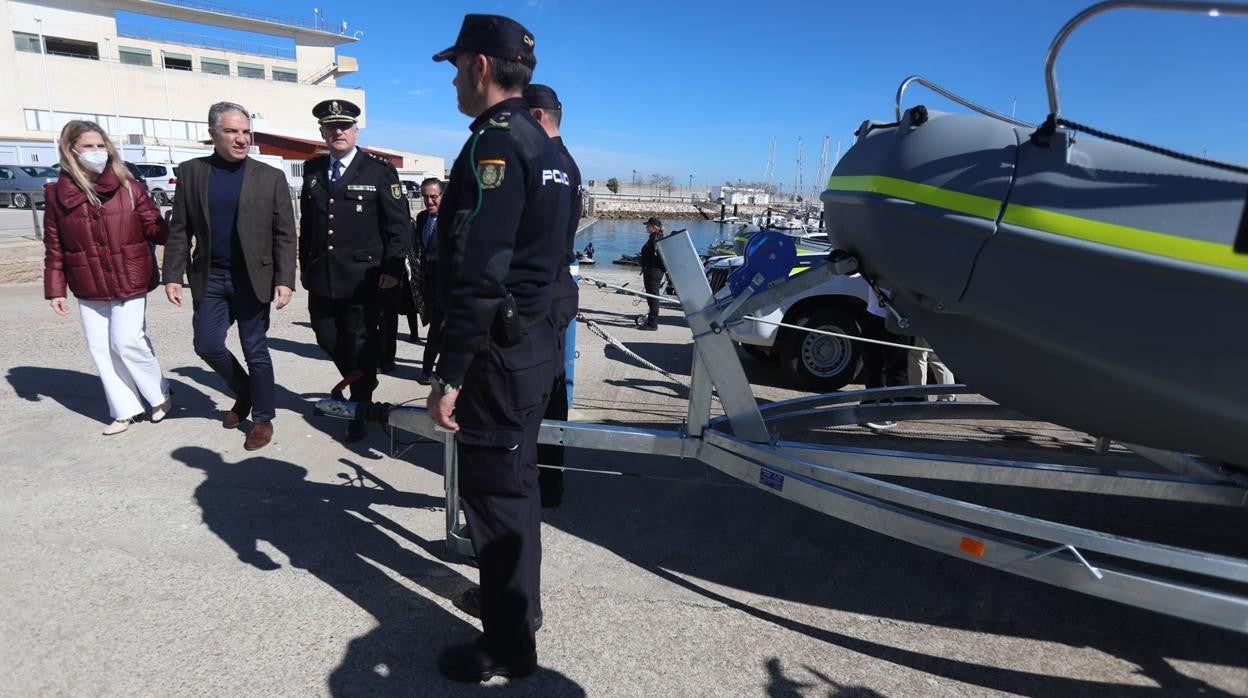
(21, 200)
(159, 197)
(818, 362)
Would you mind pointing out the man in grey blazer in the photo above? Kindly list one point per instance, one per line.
(233, 235)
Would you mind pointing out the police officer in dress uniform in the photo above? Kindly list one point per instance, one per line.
(501, 238)
(353, 235)
(543, 103)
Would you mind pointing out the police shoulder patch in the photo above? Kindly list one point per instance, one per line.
(490, 172)
(396, 191)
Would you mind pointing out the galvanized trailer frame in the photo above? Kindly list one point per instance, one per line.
(844, 481)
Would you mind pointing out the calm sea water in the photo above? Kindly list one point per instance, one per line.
(613, 238)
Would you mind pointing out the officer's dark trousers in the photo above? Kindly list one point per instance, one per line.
(499, 411)
(229, 298)
(395, 301)
(346, 328)
(882, 367)
(562, 312)
(653, 281)
(429, 282)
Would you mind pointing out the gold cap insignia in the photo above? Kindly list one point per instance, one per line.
(334, 108)
(528, 40)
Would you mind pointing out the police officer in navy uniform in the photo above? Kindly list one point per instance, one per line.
(501, 239)
(354, 233)
(543, 103)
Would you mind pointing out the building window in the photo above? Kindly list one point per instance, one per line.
(72, 48)
(250, 70)
(134, 56)
(176, 61)
(26, 42)
(214, 66)
(285, 74)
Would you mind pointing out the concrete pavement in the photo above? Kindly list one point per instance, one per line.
(168, 561)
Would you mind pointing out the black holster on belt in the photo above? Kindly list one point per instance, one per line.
(508, 327)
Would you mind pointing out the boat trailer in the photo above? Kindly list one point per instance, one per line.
(847, 482)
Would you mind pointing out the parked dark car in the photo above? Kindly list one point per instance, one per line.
(22, 185)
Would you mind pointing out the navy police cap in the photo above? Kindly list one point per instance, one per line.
(538, 96)
(492, 35)
(336, 111)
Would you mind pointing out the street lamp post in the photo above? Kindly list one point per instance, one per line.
(108, 43)
(47, 85)
(164, 72)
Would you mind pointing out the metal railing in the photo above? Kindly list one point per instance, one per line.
(234, 11)
(14, 225)
(138, 31)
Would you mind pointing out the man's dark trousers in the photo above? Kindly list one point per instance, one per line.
(346, 329)
(652, 280)
(563, 313)
(229, 298)
(500, 412)
(395, 301)
(429, 280)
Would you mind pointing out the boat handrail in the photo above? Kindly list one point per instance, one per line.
(901, 91)
(1212, 9)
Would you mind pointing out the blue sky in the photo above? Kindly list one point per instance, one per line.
(701, 88)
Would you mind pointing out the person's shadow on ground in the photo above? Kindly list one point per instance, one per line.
(332, 532)
(82, 392)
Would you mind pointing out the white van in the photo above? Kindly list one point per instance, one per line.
(810, 361)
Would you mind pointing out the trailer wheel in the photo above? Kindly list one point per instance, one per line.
(819, 362)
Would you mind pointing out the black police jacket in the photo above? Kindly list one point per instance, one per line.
(354, 230)
(565, 287)
(650, 259)
(502, 229)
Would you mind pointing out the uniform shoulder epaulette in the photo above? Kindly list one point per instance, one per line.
(503, 119)
(379, 158)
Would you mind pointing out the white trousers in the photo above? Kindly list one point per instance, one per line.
(919, 361)
(117, 339)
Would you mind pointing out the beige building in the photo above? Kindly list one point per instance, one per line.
(151, 86)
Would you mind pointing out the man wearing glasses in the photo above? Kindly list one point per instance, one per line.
(354, 233)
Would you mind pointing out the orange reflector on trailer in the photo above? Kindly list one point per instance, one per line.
(972, 546)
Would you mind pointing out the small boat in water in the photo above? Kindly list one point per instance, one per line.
(629, 260)
(586, 256)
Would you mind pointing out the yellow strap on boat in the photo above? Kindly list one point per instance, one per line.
(1124, 237)
(1210, 254)
(969, 204)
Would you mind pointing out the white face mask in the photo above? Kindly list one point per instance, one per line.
(94, 160)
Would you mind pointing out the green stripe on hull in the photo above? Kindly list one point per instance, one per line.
(1203, 252)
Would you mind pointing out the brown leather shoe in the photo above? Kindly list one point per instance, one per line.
(260, 435)
(236, 415)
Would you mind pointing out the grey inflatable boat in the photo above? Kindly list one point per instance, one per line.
(1093, 282)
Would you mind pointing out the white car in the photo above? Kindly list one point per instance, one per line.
(161, 178)
(811, 361)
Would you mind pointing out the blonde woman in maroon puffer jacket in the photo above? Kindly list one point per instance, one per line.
(100, 231)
